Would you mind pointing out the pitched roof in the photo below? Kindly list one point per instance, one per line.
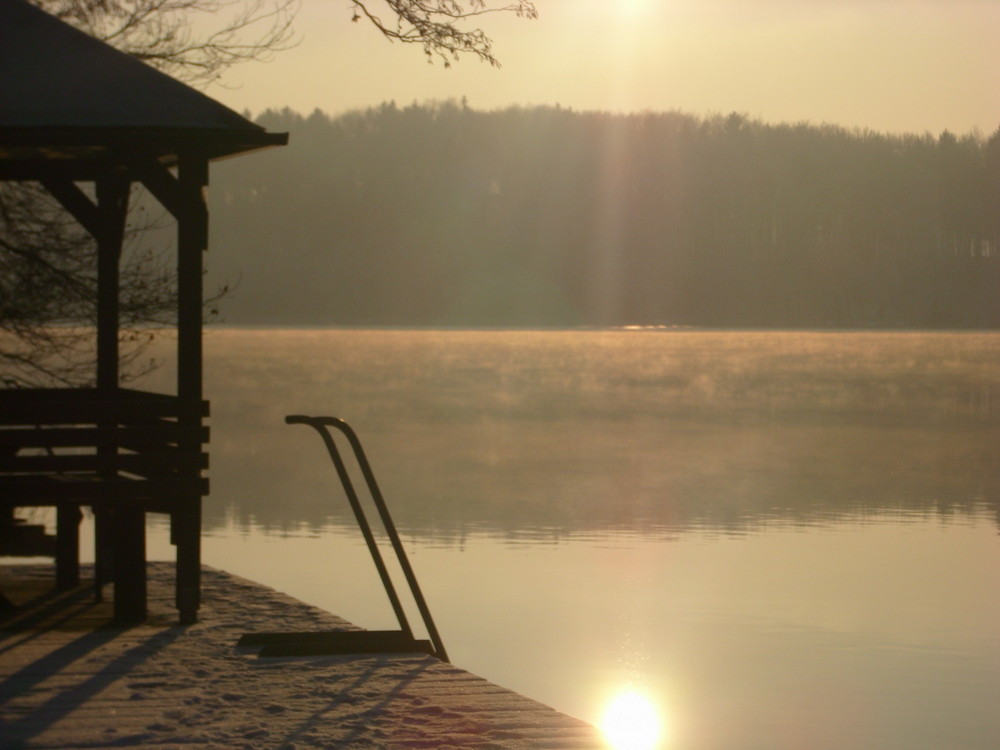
(64, 94)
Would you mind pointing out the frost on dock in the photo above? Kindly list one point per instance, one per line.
(69, 681)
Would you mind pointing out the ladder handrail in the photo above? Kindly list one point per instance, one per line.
(322, 425)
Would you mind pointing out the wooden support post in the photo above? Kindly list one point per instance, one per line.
(112, 205)
(130, 563)
(67, 546)
(183, 196)
(128, 523)
(103, 550)
(192, 241)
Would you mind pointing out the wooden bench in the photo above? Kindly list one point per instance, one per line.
(123, 453)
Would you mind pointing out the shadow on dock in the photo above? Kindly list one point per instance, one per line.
(46, 633)
(70, 678)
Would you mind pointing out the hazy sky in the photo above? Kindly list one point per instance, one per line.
(891, 65)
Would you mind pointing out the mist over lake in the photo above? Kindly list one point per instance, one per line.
(525, 429)
(785, 538)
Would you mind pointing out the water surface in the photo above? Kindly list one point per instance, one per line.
(785, 539)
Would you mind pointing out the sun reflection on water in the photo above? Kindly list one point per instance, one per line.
(631, 721)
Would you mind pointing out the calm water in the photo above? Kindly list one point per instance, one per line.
(783, 540)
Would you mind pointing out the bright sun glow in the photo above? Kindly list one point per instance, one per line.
(633, 9)
(631, 722)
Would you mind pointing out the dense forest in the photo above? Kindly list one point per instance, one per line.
(441, 215)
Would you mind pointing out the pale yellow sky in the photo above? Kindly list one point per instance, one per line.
(891, 65)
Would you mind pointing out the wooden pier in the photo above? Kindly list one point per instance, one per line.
(70, 679)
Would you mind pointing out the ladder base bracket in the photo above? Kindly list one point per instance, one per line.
(335, 642)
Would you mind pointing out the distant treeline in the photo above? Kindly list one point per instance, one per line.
(439, 214)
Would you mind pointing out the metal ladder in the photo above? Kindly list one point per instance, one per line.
(358, 641)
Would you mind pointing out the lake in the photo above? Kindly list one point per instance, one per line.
(778, 539)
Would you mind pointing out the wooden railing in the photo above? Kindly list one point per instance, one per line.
(124, 453)
(74, 445)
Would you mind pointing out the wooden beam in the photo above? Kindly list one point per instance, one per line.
(192, 241)
(129, 544)
(112, 203)
(77, 203)
(162, 184)
(37, 170)
(68, 546)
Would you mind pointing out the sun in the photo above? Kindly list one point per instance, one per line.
(632, 722)
(632, 8)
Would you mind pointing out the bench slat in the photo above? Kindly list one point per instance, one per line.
(29, 406)
(151, 463)
(17, 492)
(66, 437)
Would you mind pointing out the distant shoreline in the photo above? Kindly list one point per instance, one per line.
(628, 328)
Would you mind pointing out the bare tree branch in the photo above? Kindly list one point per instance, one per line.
(436, 25)
(196, 41)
